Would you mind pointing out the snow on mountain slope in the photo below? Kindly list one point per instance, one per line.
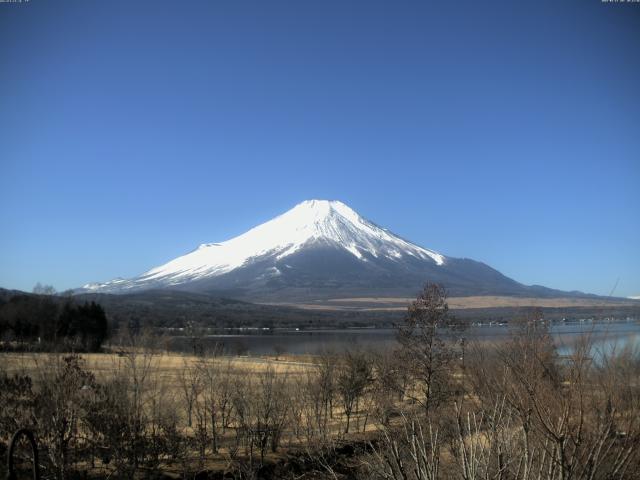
(308, 223)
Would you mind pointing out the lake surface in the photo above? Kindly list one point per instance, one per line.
(606, 337)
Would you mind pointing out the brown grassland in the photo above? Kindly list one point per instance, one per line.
(462, 303)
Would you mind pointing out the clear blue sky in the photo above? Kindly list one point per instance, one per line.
(508, 132)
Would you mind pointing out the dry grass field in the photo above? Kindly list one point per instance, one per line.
(167, 364)
(461, 303)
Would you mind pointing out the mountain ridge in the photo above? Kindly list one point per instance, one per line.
(320, 249)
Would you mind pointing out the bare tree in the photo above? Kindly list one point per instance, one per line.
(326, 363)
(390, 382)
(354, 375)
(410, 452)
(133, 379)
(262, 411)
(552, 418)
(189, 382)
(427, 353)
(216, 394)
(58, 408)
(41, 289)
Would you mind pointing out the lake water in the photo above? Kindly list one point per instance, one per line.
(606, 337)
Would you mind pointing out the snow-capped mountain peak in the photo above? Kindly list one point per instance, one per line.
(310, 223)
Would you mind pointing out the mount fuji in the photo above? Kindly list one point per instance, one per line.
(319, 250)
